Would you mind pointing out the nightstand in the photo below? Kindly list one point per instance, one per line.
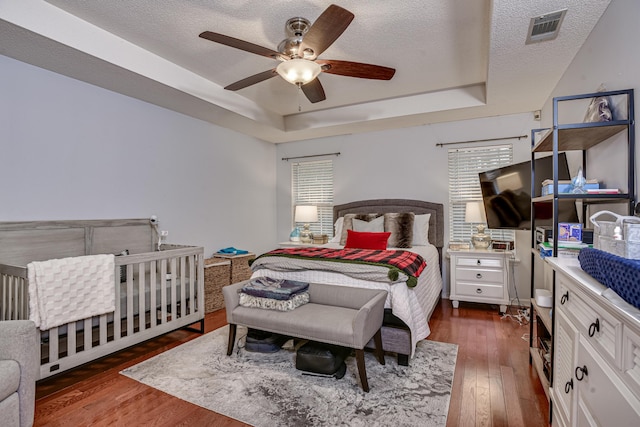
(480, 275)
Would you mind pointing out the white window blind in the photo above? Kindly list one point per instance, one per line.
(464, 186)
(312, 184)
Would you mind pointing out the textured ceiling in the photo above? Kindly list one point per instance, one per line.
(454, 59)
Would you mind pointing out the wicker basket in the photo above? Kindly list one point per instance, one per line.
(217, 273)
(240, 269)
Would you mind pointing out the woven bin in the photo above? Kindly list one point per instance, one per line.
(217, 273)
(240, 269)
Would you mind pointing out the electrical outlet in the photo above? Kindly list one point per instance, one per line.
(164, 233)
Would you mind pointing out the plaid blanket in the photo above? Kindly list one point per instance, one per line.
(390, 266)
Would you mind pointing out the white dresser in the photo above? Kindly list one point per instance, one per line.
(479, 276)
(596, 364)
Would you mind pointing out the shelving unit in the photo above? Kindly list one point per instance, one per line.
(571, 137)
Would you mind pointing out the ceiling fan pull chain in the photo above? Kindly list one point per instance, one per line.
(299, 92)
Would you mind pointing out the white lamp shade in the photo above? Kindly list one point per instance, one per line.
(306, 214)
(474, 212)
(298, 70)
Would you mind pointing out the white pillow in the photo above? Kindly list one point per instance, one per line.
(421, 230)
(374, 226)
(337, 227)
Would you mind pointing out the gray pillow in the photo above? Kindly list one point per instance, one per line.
(348, 223)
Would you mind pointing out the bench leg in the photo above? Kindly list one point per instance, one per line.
(232, 338)
(362, 370)
(377, 340)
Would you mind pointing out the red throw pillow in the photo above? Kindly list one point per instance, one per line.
(366, 240)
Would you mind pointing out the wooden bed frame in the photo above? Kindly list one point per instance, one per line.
(157, 291)
(395, 337)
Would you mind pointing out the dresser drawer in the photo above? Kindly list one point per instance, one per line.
(479, 262)
(599, 328)
(477, 290)
(480, 275)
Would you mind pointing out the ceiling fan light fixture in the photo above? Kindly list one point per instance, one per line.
(299, 71)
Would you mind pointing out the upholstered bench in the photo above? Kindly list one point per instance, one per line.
(339, 315)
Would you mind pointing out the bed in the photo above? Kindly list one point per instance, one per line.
(155, 289)
(407, 309)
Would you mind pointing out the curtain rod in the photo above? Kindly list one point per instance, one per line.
(519, 137)
(312, 155)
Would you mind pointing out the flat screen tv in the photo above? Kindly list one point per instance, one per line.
(506, 194)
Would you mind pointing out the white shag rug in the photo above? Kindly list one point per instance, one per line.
(263, 389)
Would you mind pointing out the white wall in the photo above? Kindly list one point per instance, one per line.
(610, 57)
(70, 150)
(405, 163)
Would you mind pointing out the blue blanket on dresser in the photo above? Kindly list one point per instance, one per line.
(280, 289)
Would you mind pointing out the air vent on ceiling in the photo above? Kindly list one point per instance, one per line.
(545, 27)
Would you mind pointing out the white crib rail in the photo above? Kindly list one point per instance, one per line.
(163, 291)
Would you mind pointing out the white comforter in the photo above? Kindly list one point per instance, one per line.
(412, 305)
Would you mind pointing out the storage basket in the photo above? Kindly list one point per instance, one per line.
(603, 235)
(216, 275)
(240, 268)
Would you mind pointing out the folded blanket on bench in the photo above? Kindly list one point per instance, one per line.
(279, 289)
(274, 294)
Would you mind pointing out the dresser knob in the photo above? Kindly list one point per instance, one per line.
(568, 386)
(582, 371)
(564, 298)
(478, 262)
(478, 276)
(594, 327)
(478, 291)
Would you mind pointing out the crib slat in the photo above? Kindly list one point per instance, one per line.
(183, 286)
(152, 293)
(88, 334)
(117, 314)
(163, 291)
(103, 325)
(129, 329)
(174, 312)
(142, 324)
(54, 338)
(192, 276)
(71, 338)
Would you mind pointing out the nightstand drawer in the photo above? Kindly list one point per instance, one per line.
(479, 262)
(480, 275)
(480, 290)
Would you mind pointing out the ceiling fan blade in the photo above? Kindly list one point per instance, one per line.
(240, 44)
(356, 69)
(251, 80)
(314, 91)
(325, 30)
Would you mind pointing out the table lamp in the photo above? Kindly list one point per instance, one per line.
(474, 214)
(305, 215)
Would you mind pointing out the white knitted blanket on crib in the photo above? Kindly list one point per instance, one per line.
(69, 289)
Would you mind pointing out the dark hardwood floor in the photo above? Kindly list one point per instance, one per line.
(494, 385)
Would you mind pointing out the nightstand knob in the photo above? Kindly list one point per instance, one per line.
(582, 371)
(564, 298)
(479, 262)
(568, 386)
(478, 291)
(478, 276)
(594, 327)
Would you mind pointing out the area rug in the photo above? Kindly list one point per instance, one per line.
(265, 389)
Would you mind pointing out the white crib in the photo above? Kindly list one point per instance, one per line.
(157, 291)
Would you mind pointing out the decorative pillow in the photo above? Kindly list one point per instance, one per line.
(400, 225)
(374, 226)
(364, 240)
(348, 223)
(337, 230)
(421, 230)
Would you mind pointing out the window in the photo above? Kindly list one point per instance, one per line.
(312, 184)
(464, 186)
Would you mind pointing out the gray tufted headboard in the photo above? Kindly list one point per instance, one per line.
(436, 222)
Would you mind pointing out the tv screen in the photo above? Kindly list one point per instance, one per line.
(506, 194)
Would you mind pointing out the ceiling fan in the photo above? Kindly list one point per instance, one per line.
(299, 54)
